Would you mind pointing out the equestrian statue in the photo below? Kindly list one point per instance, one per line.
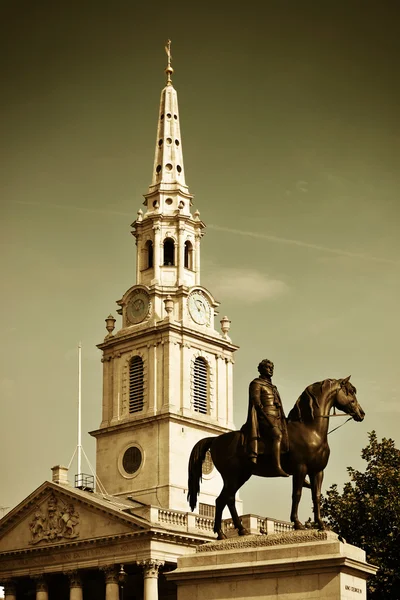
(271, 445)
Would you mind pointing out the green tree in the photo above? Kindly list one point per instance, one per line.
(367, 514)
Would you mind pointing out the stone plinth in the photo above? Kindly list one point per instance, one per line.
(291, 566)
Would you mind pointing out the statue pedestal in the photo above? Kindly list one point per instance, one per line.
(297, 565)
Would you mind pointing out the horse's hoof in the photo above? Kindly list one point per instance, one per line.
(298, 526)
(221, 535)
(321, 526)
(243, 531)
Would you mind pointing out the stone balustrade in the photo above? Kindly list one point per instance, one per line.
(193, 522)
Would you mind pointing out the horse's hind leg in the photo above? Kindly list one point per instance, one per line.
(298, 480)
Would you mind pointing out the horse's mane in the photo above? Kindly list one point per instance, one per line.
(303, 410)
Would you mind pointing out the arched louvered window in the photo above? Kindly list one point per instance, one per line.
(136, 385)
(188, 255)
(169, 252)
(149, 248)
(200, 385)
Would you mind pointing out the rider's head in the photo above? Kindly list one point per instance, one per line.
(266, 367)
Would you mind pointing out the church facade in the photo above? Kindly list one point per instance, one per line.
(167, 383)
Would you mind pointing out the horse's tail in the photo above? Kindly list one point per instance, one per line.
(197, 456)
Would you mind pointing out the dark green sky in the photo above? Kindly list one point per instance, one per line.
(291, 140)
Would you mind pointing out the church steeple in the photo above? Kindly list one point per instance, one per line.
(167, 235)
(168, 171)
(167, 370)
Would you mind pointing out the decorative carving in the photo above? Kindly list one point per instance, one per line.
(111, 573)
(60, 522)
(150, 567)
(41, 583)
(273, 539)
(75, 580)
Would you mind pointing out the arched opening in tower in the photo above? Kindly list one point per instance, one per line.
(149, 251)
(169, 252)
(188, 255)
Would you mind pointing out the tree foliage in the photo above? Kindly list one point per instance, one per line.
(367, 514)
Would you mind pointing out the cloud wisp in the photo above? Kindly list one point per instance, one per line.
(253, 234)
(281, 240)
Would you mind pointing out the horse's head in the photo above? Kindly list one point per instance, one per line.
(346, 400)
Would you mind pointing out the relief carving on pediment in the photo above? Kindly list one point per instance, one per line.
(61, 520)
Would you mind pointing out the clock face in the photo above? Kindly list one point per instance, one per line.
(138, 307)
(199, 308)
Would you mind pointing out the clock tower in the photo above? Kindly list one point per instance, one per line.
(167, 372)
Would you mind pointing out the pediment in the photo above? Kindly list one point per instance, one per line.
(55, 515)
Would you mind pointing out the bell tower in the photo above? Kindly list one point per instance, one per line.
(167, 372)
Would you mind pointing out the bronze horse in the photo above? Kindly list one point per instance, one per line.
(308, 452)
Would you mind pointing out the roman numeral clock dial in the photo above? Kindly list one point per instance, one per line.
(138, 307)
(199, 308)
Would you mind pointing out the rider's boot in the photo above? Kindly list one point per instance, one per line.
(276, 453)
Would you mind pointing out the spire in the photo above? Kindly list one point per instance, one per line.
(168, 171)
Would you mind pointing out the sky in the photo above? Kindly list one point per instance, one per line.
(290, 120)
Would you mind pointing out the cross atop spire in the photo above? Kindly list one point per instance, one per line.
(169, 70)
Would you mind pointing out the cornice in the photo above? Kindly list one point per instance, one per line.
(167, 416)
(166, 326)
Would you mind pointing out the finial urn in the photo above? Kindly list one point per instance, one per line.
(225, 326)
(169, 305)
(110, 325)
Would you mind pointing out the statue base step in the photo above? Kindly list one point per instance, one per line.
(297, 565)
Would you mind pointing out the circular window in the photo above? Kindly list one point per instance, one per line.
(169, 140)
(168, 201)
(208, 464)
(176, 142)
(158, 168)
(179, 168)
(168, 166)
(160, 142)
(132, 460)
(168, 115)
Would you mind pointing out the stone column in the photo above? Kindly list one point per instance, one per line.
(10, 590)
(150, 574)
(41, 588)
(197, 257)
(112, 587)
(75, 585)
(139, 257)
(157, 252)
(181, 255)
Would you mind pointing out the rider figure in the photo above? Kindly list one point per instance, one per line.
(266, 419)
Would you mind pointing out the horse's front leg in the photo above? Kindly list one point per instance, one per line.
(298, 480)
(316, 484)
(233, 487)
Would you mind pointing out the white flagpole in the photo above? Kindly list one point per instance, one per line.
(79, 459)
